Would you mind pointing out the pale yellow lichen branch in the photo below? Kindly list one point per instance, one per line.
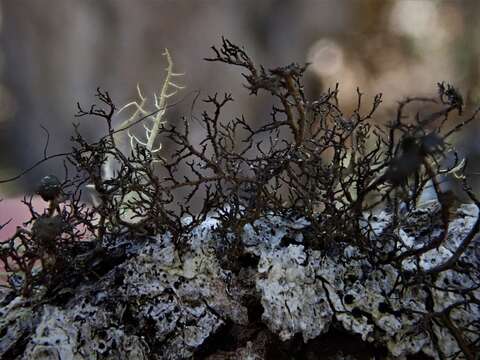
(457, 171)
(169, 89)
(154, 116)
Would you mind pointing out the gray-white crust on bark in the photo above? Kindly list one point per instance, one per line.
(161, 304)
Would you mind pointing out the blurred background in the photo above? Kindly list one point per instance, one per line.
(54, 53)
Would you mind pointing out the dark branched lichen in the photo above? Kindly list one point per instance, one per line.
(333, 170)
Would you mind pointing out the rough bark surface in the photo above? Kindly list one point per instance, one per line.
(286, 301)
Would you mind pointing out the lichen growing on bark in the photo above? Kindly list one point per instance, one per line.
(162, 304)
(314, 227)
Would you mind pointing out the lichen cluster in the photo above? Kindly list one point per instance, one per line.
(258, 242)
(160, 304)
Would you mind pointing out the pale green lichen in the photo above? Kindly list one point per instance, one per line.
(154, 115)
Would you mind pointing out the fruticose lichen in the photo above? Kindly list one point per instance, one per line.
(174, 302)
(283, 238)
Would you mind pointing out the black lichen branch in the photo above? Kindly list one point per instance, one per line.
(82, 113)
(335, 172)
(466, 241)
(284, 83)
